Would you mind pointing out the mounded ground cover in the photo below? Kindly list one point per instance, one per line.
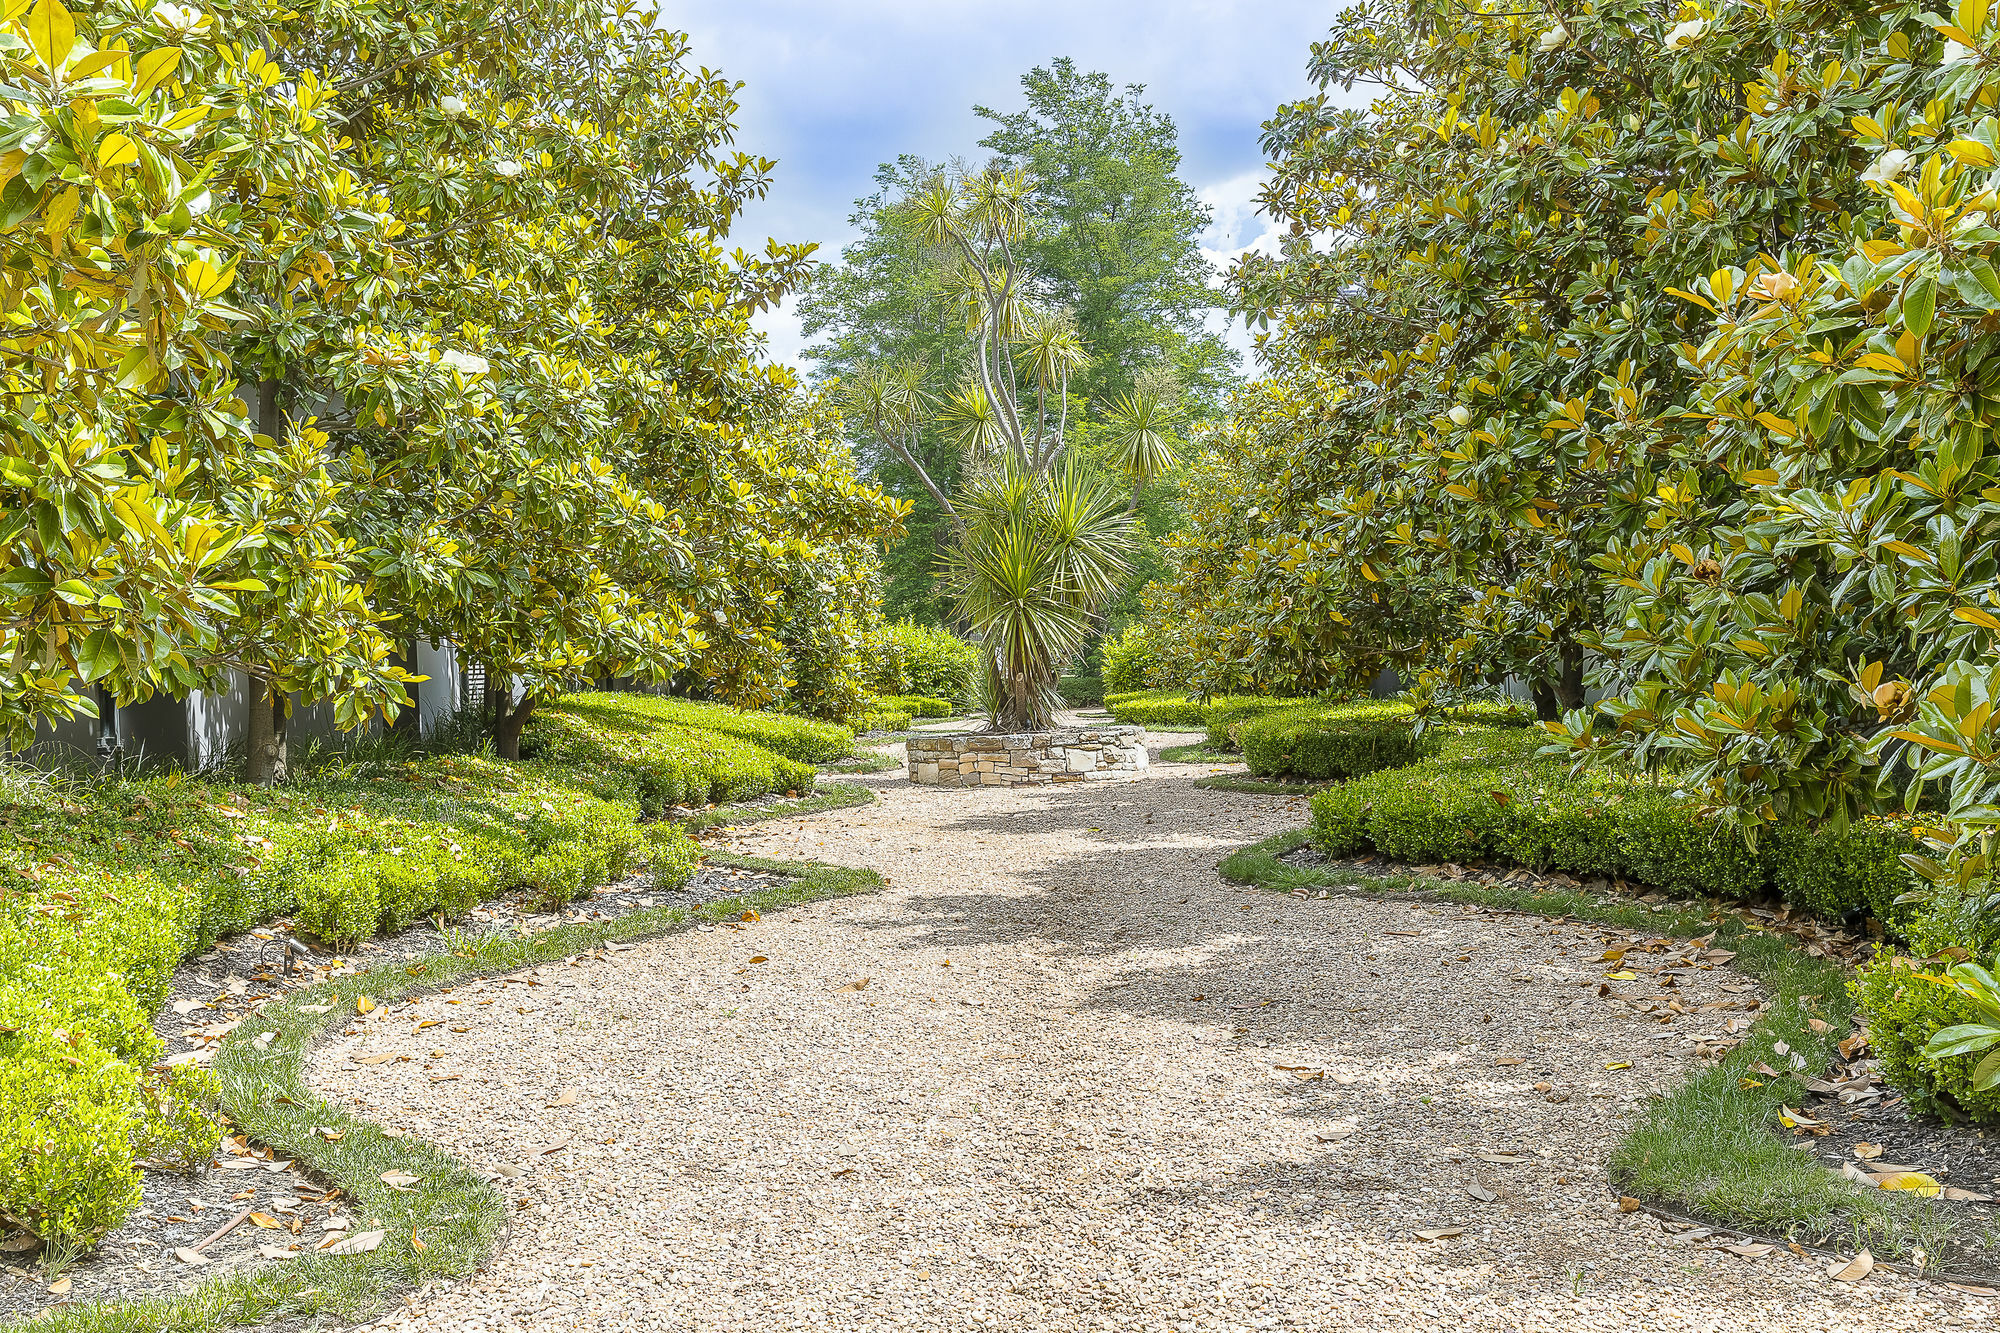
(106, 885)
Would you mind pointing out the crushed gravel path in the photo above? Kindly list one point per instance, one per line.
(1087, 1085)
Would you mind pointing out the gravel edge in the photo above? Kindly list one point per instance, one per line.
(449, 1220)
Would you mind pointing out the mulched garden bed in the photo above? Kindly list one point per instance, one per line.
(213, 993)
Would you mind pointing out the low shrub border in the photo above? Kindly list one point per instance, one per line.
(1710, 1146)
(1489, 797)
(451, 1220)
(105, 885)
(916, 705)
(832, 796)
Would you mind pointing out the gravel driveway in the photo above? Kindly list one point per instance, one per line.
(1086, 1085)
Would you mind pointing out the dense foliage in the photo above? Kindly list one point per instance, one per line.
(1643, 348)
(401, 321)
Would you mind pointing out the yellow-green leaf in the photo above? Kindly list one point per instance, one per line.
(154, 67)
(52, 34)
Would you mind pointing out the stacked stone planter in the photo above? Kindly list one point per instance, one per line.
(1081, 754)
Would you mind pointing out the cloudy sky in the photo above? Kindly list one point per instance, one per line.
(835, 87)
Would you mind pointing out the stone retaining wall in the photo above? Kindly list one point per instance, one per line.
(1085, 754)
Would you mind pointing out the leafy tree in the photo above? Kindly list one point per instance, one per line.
(1112, 257)
(1473, 308)
(1118, 240)
(474, 364)
(140, 512)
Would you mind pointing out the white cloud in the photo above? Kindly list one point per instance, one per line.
(783, 332)
(835, 87)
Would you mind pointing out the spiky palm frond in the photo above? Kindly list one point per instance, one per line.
(1052, 348)
(974, 424)
(1141, 426)
(1042, 555)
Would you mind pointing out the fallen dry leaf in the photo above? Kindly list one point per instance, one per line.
(567, 1097)
(853, 985)
(1860, 1266)
(1480, 1192)
(1628, 1204)
(381, 1059)
(1332, 1135)
(1971, 1290)
(1867, 1152)
(1618, 1064)
(399, 1180)
(760, 958)
(1441, 1233)
(1916, 1182)
(59, 1287)
(1792, 1118)
(275, 1251)
(187, 1256)
(360, 1243)
(266, 1221)
(1508, 1060)
(1748, 1249)
(1967, 1196)
(364, 1004)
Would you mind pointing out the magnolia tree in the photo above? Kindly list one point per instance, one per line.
(399, 322)
(1040, 539)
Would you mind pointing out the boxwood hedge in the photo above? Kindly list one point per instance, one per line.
(106, 885)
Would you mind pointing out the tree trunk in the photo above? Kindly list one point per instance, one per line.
(1569, 685)
(406, 720)
(264, 757)
(1544, 695)
(508, 724)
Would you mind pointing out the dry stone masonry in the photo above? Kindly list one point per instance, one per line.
(1086, 754)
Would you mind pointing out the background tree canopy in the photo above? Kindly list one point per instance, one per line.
(1113, 246)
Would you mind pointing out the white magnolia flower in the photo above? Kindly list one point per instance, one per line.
(179, 18)
(465, 362)
(1957, 53)
(507, 167)
(1777, 286)
(452, 106)
(1460, 415)
(1685, 34)
(1887, 167)
(1554, 39)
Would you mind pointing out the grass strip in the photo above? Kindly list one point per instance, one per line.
(1200, 752)
(447, 1223)
(833, 796)
(864, 761)
(1711, 1146)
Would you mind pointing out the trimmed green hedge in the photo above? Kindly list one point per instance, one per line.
(1908, 1003)
(916, 705)
(1488, 796)
(885, 719)
(1327, 745)
(1173, 708)
(804, 739)
(106, 885)
(627, 746)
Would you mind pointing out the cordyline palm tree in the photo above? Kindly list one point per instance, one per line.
(1041, 542)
